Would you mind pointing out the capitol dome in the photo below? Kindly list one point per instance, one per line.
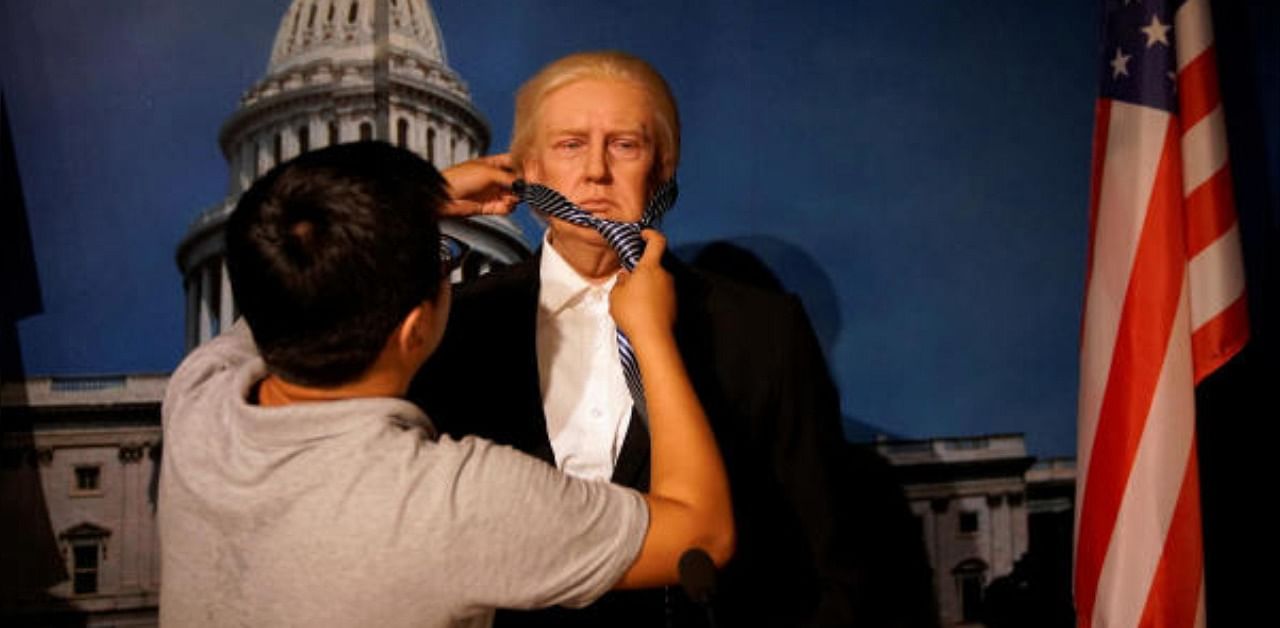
(343, 71)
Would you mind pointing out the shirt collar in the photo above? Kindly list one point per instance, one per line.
(561, 285)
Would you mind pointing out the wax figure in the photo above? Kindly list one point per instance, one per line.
(533, 359)
(300, 488)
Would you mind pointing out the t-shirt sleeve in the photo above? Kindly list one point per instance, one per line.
(226, 352)
(532, 537)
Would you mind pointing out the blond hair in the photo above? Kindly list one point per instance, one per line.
(601, 65)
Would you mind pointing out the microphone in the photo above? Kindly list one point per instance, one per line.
(698, 578)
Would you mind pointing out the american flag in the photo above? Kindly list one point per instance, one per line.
(1164, 307)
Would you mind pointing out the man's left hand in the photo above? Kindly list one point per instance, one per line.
(480, 186)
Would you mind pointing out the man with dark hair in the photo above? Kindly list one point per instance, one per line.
(299, 488)
(304, 244)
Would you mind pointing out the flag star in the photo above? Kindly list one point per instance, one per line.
(1156, 32)
(1120, 64)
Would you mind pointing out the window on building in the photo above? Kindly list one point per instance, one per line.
(351, 15)
(431, 145)
(366, 131)
(329, 19)
(85, 547)
(277, 149)
(971, 577)
(311, 17)
(333, 133)
(84, 561)
(304, 139)
(968, 522)
(402, 132)
(88, 479)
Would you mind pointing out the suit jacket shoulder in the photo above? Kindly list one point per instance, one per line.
(483, 379)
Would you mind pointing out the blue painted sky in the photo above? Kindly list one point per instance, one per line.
(917, 172)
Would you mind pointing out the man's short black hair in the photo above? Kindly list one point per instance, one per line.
(328, 252)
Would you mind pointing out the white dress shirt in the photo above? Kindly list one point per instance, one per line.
(584, 393)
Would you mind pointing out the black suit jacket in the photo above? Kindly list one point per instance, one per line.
(757, 368)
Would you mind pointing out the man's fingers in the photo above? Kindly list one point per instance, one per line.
(501, 160)
(654, 245)
(501, 206)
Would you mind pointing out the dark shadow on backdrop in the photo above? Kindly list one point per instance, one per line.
(894, 582)
(1236, 406)
(30, 560)
(773, 264)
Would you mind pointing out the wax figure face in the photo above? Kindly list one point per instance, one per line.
(593, 142)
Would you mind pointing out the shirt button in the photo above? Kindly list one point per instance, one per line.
(595, 412)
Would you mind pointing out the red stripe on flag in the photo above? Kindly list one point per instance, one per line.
(1175, 591)
(1210, 211)
(1101, 127)
(1220, 338)
(1151, 302)
(1198, 88)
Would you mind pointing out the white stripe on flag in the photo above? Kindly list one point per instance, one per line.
(1204, 150)
(1193, 30)
(1135, 138)
(1151, 494)
(1217, 278)
(1200, 622)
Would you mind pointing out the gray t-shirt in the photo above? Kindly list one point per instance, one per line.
(353, 513)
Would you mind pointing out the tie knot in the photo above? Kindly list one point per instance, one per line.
(551, 202)
(624, 237)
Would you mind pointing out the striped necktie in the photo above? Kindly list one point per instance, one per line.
(625, 239)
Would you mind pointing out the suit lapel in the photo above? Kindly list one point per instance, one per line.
(532, 435)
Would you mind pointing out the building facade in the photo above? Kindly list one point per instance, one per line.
(78, 462)
(343, 71)
(991, 518)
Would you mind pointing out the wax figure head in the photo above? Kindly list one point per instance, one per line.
(601, 128)
(334, 261)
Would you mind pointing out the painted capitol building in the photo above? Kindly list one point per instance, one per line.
(79, 455)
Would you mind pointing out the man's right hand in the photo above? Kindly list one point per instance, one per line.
(643, 302)
(480, 186)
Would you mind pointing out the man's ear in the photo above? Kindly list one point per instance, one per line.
(414, 331)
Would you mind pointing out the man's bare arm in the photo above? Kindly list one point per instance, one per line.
(688, 498)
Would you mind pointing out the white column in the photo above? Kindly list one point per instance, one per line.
(435, 154)
(226, 303)
(998, 515)
(263, 149)
(129, 546)
(206, 304)
(1018, 513)
(290, 146)
(244, 171)
(148, 550)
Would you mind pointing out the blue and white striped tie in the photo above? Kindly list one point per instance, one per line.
(625, 239)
